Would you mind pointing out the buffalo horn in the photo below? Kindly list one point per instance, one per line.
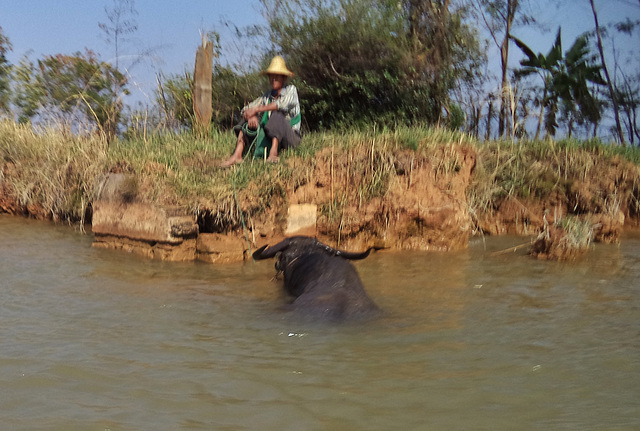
(353, 256)
(267, 253)
(347, 254)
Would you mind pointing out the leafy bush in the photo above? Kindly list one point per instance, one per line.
(359, 63)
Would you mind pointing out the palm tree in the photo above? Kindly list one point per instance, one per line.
(566, 78)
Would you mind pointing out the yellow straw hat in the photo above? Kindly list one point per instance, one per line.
(277, 67)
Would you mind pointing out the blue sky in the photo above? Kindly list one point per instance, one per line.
(575, 17)
(172, 29)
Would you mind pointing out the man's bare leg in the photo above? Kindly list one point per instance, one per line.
(273, 153)
(236, 157)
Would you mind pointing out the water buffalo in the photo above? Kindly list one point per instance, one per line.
(321, 279)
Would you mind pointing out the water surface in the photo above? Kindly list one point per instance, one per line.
(94, 339)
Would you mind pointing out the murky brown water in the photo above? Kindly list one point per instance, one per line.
(99, 340)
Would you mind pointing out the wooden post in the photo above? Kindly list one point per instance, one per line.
(202, 87)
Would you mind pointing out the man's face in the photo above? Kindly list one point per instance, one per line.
(277, 82)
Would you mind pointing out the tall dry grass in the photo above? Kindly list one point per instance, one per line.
(52, 169)
(538, 169)
(61, 173)
(563, 239)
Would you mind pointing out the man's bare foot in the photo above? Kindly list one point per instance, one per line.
(273, 159)
(231, 161)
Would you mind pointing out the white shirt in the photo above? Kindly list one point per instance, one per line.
(287, 102)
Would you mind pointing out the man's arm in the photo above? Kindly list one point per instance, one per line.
(256, 102)
(252, 114)
(257, 110)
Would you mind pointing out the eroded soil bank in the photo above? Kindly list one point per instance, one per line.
(397, 198)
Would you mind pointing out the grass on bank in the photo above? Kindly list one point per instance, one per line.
(183, 169)
(538, 169)
(564, 239)
(60, 172)
(50, 169)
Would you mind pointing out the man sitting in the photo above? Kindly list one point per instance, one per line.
(281, 124)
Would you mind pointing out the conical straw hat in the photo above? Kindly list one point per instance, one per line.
(277, 67)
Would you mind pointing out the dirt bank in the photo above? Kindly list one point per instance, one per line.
(606, 195)
(431, 197)
(413, 203)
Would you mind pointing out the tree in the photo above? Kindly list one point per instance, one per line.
(363, 62)
(5, 72)
(628, 98)
(122, 23)
(616, 109)
(565, 78)
(498, 17)
(429, 24)
(28, 95)
(82, 83)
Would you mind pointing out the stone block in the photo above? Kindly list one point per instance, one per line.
(216, 248)
(144, 222)
(159, 232)
(301, 219)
